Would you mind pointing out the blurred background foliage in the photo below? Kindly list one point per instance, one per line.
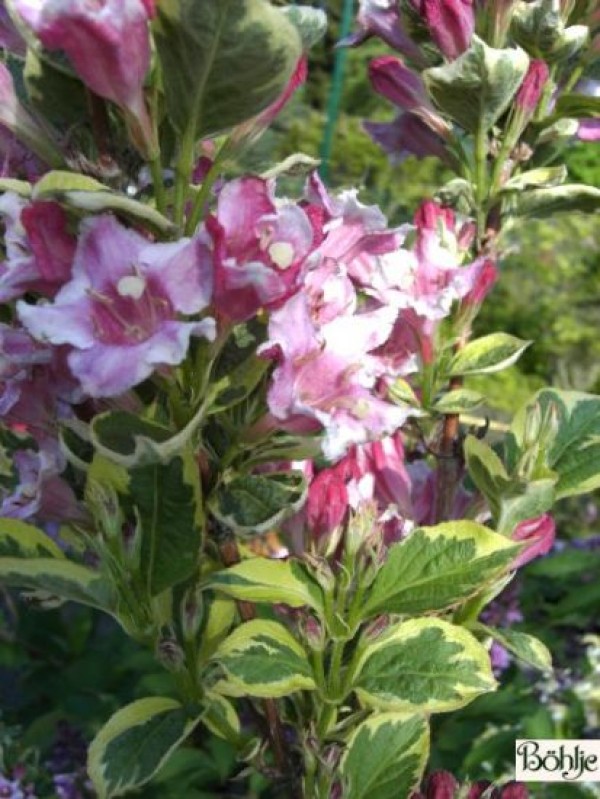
(71, 665)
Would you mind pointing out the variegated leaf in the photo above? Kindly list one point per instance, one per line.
(269, 580)
(21, 540)
(423, 665)
(135, 743)
(261, 658)
(385, 757)
(437, 567)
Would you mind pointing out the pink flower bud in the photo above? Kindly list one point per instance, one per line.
(514, 790)
(451, 24)
(327, 503)
(484, 282)
(107, 41)
(589, 130)
(392, 78)
(532, 87)
(540, 532)
(441, 785)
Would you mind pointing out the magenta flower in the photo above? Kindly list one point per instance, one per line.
(39, 248)
(451, 24)
(107, 41)
(539, 533)
(120, 311)
(260, 248)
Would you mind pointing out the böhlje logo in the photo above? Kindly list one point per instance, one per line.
(558, 760)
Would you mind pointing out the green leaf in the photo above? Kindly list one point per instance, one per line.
(87, 194)
(58, 577)
(131, 441)
(21, 540)
(423, 665)
(238, 384)
(220, 717)
(311, 23)
(544, 203)
(134, 744)
(524, 499)
(525, 647)
(577, 105)
(573, 452)
(261, 658)
(20, 187)
(167, 499)
(437, 567)
(545, 176)
(57, 96)
(269, 580)
(223, 61)
(477, 88)
(488, 354)
(256, 503)
(486, 470)
(459, 401)
(401, 745)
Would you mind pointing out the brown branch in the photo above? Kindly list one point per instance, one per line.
(448, 468)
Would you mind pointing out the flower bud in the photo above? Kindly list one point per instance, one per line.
(514, 790)
(441, 785)
(532, 88)
(327, 503)
(451, 24)
(540, 532)
(108, 43)
(398, 84)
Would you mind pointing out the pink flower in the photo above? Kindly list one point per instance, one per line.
(528, 96)
(107, 41)
(39, 248)
(326, 373)
(120, 311)
(260, 248)
(539, 533)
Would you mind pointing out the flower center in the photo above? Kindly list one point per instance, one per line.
(130, 311)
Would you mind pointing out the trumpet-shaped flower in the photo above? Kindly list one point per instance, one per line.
(260, 248)
(120, 311)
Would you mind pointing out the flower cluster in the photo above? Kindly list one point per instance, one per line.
(443, 785)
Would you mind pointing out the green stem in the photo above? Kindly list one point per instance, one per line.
(481, 148)
(158, 184)
(183, 175)
(204, 191)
